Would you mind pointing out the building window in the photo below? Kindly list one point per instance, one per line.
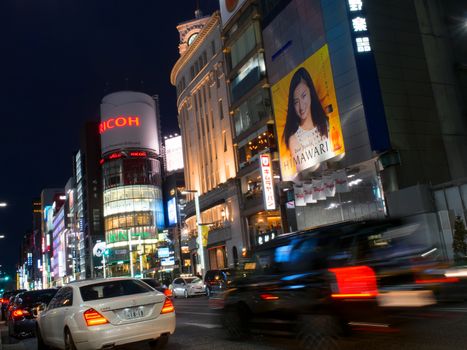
(224, 139)
(213, 47)
(248, 76)
(244, 45)
(251, 111)
(221, 110)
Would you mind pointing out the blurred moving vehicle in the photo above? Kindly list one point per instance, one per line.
(323, 283)
(105, 313)
(158, 286)
(5, 300)
(218, 280)
(188, 286)
(24, 309)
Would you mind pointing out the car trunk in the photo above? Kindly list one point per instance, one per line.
(129, 308)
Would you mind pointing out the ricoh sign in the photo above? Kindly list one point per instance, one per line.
(128, 120)
(119, 122)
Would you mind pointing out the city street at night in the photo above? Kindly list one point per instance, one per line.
(198, 327)
(233, 175)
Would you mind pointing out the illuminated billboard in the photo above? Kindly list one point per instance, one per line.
(307, 117)
(174, 153)
(128, 120)
(172, 211)
(228, 8)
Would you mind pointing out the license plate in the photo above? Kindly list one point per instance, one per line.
(409, 298)
(133, 313)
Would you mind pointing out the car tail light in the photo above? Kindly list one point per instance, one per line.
(354, 282)
(19, 313)
(168, 292)
(94, 318)
(267, 296)
(168, 306)
(437, 280)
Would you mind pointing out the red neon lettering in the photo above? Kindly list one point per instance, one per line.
(115, 156)
(138, 154)
(118, 122)
(134, 120)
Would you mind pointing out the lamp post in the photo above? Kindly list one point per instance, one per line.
(200, 234)
(3, 204)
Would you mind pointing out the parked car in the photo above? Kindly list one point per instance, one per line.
(323, 283)
(187, 287)
(218, 280)
(5, 301)
(23, 311)
(105, 313)
(158, 286)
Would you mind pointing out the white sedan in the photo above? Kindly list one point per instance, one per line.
(188, 286)
(102, 314)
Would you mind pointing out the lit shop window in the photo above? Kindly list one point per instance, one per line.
(363, 44)
(355, 5)
(359, 24)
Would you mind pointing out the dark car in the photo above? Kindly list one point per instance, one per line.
(23, 311)
(218, 280)
(158, 286)
(5, 300)
(323, 283)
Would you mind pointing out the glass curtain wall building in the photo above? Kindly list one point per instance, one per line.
(131, 172)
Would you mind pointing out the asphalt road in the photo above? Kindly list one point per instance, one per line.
(198, 327)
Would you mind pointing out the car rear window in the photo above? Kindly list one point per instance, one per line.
(112, 289)
(192, 280)
(37, 297)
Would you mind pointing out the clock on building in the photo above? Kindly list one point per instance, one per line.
(192, 38)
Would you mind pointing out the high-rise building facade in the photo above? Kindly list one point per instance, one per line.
(367, 108)
(131, 174)
(252, 116)
(208, 151)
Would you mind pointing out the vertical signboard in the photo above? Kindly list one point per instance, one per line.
(268, 182)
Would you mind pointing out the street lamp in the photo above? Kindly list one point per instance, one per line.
(199, 224)
(2, 236)
(3, 204)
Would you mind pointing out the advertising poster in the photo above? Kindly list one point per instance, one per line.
(307, 117)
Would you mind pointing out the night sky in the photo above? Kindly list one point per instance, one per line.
(58, 59)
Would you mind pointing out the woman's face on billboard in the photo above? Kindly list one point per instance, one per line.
(302, 101)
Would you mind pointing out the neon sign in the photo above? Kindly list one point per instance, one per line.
(268, 183)
(138, 154)
(115, 155)
(119, 122)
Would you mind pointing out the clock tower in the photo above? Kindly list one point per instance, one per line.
(189, 30)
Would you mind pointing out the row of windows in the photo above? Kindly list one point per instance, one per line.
(124, 172)
(124, 221)
(196, 67)
(131, 192)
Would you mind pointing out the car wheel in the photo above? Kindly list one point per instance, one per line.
(69, 343)
(159, 343)
(318, 332)
(40, 342)
(235, 322)
(185, 293)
